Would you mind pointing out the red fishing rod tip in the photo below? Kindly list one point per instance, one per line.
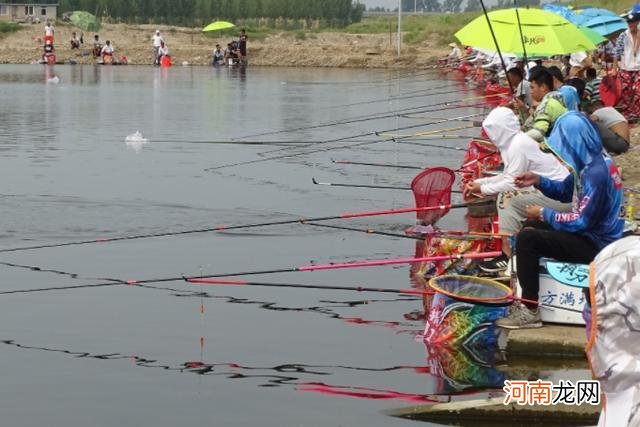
(132, 282)
(101, 240)
(221, 227)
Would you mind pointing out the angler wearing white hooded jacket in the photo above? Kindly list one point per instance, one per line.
(520, 153)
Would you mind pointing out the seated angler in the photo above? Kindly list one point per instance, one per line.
(550, 106)
(613, 128)
(107, 52)
(97, 46)
(520, 154)
(218, 56)
(75, 41)
(163, 50)
(576, 236)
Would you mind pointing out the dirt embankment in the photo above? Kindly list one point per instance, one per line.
(629, 163)
(328, 49)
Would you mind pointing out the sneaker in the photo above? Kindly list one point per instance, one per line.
(494, 265)
(520, 317)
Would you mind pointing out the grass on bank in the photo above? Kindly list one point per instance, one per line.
(8, 27)
(617, 6)
(416, 28)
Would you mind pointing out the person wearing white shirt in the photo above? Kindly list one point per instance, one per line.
(456, 52)
(48, 32)
(163, 50)
(579, 62)
(520, 153)
(627, 64)
(107, 52)
(157, 40)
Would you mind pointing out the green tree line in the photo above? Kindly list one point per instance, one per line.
(331, 12)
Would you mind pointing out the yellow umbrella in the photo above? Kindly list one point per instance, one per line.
(544, 33)
(217, 25)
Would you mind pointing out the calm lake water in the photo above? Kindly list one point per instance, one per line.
(182, 354)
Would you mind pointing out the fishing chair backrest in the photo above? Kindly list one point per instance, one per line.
(432, 187)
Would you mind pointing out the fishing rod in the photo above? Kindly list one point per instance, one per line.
(384, 165)
(381, 187)
(303, 286)
(367, 231)
(440, 233)
(440, 137)
(476, 300)
(352, 264)
(224, 228)
(411, 116)
(391, 165)
(495, 41)
(422, 144)
(287, 156)
(427, 133)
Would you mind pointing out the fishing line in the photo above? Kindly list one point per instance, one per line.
(285, 156)
(408, 95)
(368, 117)
(236, 142)
(437, 121)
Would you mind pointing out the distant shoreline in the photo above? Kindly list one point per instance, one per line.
(323, 49)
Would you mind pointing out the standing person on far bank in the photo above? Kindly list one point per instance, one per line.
(627, 63)
(242, 44)
(157, 41)
(48, 32)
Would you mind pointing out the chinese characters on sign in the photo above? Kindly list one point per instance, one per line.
(546, 393)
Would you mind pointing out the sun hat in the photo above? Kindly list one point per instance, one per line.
(633, 15)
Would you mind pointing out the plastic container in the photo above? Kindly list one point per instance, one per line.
(165, 61)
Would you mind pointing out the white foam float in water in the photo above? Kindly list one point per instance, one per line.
(136, 141)
(53, 80)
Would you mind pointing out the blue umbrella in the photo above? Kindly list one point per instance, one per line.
(563, 11)
(584, 15)
(602, 21)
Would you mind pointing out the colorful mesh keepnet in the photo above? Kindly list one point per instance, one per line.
(464, 310)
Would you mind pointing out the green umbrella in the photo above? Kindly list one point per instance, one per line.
(544, 33)
(217, 25)
(85, 21)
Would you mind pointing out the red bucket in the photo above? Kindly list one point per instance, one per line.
(165, 61)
